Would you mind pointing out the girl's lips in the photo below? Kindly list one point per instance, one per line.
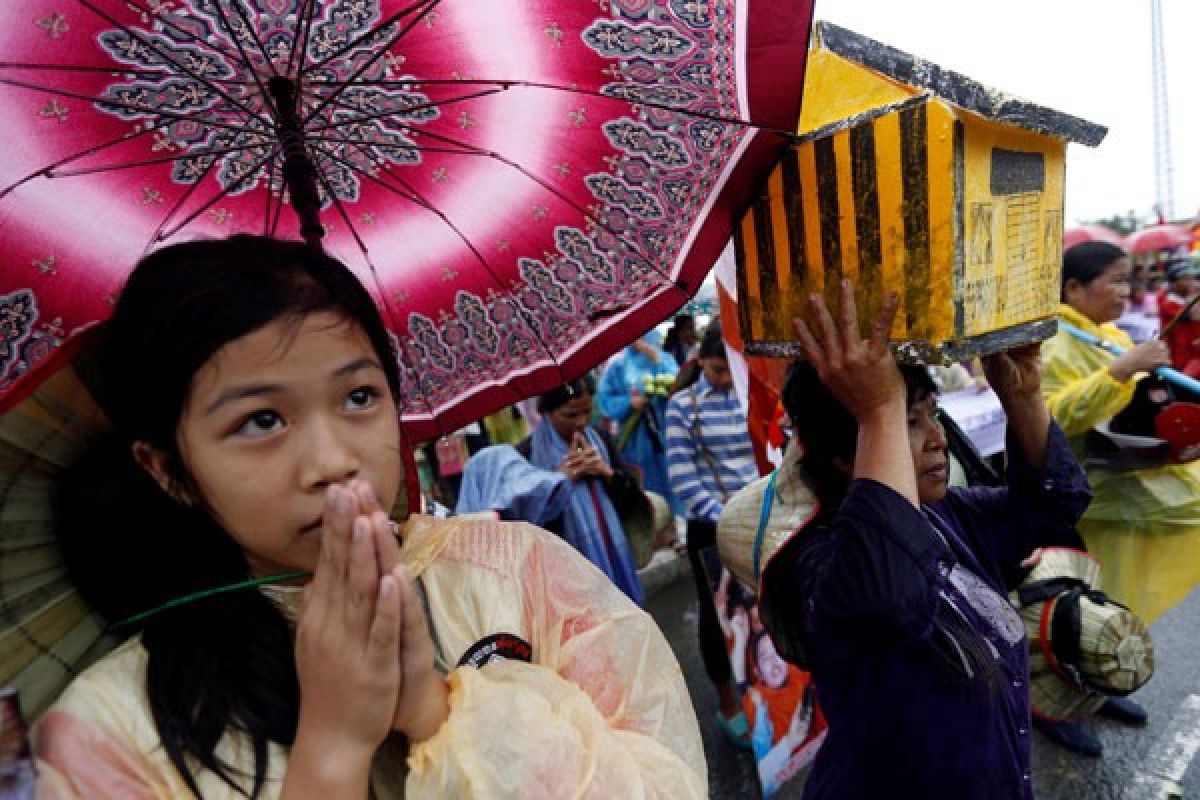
(941, 471)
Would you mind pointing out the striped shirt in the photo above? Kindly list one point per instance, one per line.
(721, 430)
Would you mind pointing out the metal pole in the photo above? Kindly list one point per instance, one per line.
(1164, 170)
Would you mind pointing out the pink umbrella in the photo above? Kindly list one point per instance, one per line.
(525, 185)
(1091, 233)
(1157, 237)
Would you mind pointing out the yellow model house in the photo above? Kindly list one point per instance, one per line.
(910, 177)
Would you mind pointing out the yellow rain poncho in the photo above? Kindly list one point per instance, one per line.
(600, 710)
(1143, 525)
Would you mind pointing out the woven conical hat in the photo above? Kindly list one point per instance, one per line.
(794, 505)
(1051, 696)
(1116, 654)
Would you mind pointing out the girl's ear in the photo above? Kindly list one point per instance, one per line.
(156, 463)
(1072, 285)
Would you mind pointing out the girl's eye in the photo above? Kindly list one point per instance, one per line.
(361, 398)
(260, 423)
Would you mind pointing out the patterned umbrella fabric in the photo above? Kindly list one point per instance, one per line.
(525, 185)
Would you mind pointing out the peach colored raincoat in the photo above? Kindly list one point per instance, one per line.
(601, 710)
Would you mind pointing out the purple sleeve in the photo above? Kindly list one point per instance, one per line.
(1039, 507)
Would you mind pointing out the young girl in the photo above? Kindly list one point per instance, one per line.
(251, 386)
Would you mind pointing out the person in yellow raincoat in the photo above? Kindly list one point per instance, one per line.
(1144, 524)
(251, 387)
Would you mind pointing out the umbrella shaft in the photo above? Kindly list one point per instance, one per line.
(299, 174)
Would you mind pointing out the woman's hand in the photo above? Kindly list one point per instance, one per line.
(573, 464)
(1015, 374)
(860, 373)
(346, 639)
(590, 462)
(1144, 357)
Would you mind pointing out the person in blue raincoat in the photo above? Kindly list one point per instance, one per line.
(630, 396)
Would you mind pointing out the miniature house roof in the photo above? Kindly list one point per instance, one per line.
(953, 87)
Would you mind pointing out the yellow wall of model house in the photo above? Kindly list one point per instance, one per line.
(1012, 243)
(1007, 248)
(836, 89)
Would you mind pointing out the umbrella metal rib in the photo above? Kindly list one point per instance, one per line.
(166, 57)
(165, 21)
(49, 168)
(246, 61)
(425, 6)
(225, 191)
(428, 5)
(307, 14)
(469, 149)
(411, 194)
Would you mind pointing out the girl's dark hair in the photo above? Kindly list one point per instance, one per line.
(223, 663)
(828, 431)
(1087, 261)
(559, 396)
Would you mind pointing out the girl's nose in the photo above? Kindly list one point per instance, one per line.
(329, 459)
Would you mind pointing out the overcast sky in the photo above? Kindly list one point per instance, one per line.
(1090, 58)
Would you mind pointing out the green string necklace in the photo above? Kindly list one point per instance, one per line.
(252, 583)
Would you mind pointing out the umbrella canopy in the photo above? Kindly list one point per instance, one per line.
(525, 185)
(1091, 233)
(1157, 237)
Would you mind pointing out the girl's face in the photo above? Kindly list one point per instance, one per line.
(277, 416)
(571, 417)
(930, 451)
(1102, 300)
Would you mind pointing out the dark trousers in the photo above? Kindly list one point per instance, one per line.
(701, 537)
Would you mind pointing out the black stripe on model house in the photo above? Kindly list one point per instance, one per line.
(793, 207)
(768, 277)
(914, 174)
(827, 202)
(869, 288)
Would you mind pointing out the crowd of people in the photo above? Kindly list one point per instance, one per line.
(500, 649)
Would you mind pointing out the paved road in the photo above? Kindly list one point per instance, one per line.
(1135, 763)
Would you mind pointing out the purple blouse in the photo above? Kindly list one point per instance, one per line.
(921, 665)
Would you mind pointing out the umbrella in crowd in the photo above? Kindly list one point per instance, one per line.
(1157, 237)
(524, 186)
(1091, 233)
